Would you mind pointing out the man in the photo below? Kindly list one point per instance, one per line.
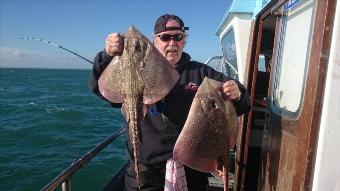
(165, 119)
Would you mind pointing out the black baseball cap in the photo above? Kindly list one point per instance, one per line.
(160, 24)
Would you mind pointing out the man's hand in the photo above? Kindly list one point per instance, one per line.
(231, 91)
(114, 44)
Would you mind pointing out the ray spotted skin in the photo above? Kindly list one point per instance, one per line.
(209, 131)
(139, 77)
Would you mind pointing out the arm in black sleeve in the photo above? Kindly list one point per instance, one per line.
(242, 106)
(100, 63)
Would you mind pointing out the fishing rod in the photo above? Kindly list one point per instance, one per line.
(56, 45)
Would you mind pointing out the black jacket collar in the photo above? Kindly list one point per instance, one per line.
(183, 61)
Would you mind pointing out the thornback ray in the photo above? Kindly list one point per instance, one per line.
(209, 131)
(140, 59)
(140, 76)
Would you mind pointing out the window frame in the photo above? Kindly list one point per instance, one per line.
(278, 61)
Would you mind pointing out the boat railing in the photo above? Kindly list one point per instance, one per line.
(64, 178)
(216, 62)
(219, 63)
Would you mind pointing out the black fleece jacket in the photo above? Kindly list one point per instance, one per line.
(165, 119)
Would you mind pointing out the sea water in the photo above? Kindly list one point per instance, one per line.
(48, 119)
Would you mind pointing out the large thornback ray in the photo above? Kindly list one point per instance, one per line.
(139, 63)
(209, 131)
(140, 76)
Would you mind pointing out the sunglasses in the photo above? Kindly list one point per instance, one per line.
(167, 37)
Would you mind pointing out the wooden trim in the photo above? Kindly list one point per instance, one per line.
(254, 62)
(323, 26)
(241, 165)
(274, 9)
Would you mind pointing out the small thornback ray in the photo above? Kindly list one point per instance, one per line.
(209, 131)
(140, 76)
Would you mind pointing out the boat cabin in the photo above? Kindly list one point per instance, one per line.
(286, 52)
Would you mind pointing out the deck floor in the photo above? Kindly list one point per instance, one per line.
(117, 182)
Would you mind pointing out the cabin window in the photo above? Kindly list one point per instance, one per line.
(229, 54)
(292, 55)
(262, 63)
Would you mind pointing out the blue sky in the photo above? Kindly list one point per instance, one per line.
(82, 26)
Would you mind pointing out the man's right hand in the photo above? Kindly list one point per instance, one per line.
(114, 44)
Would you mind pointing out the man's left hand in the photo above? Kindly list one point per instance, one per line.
(231, 91)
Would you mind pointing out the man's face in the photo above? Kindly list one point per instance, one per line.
(170, 48)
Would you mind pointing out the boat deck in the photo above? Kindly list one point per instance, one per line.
(117, 182)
